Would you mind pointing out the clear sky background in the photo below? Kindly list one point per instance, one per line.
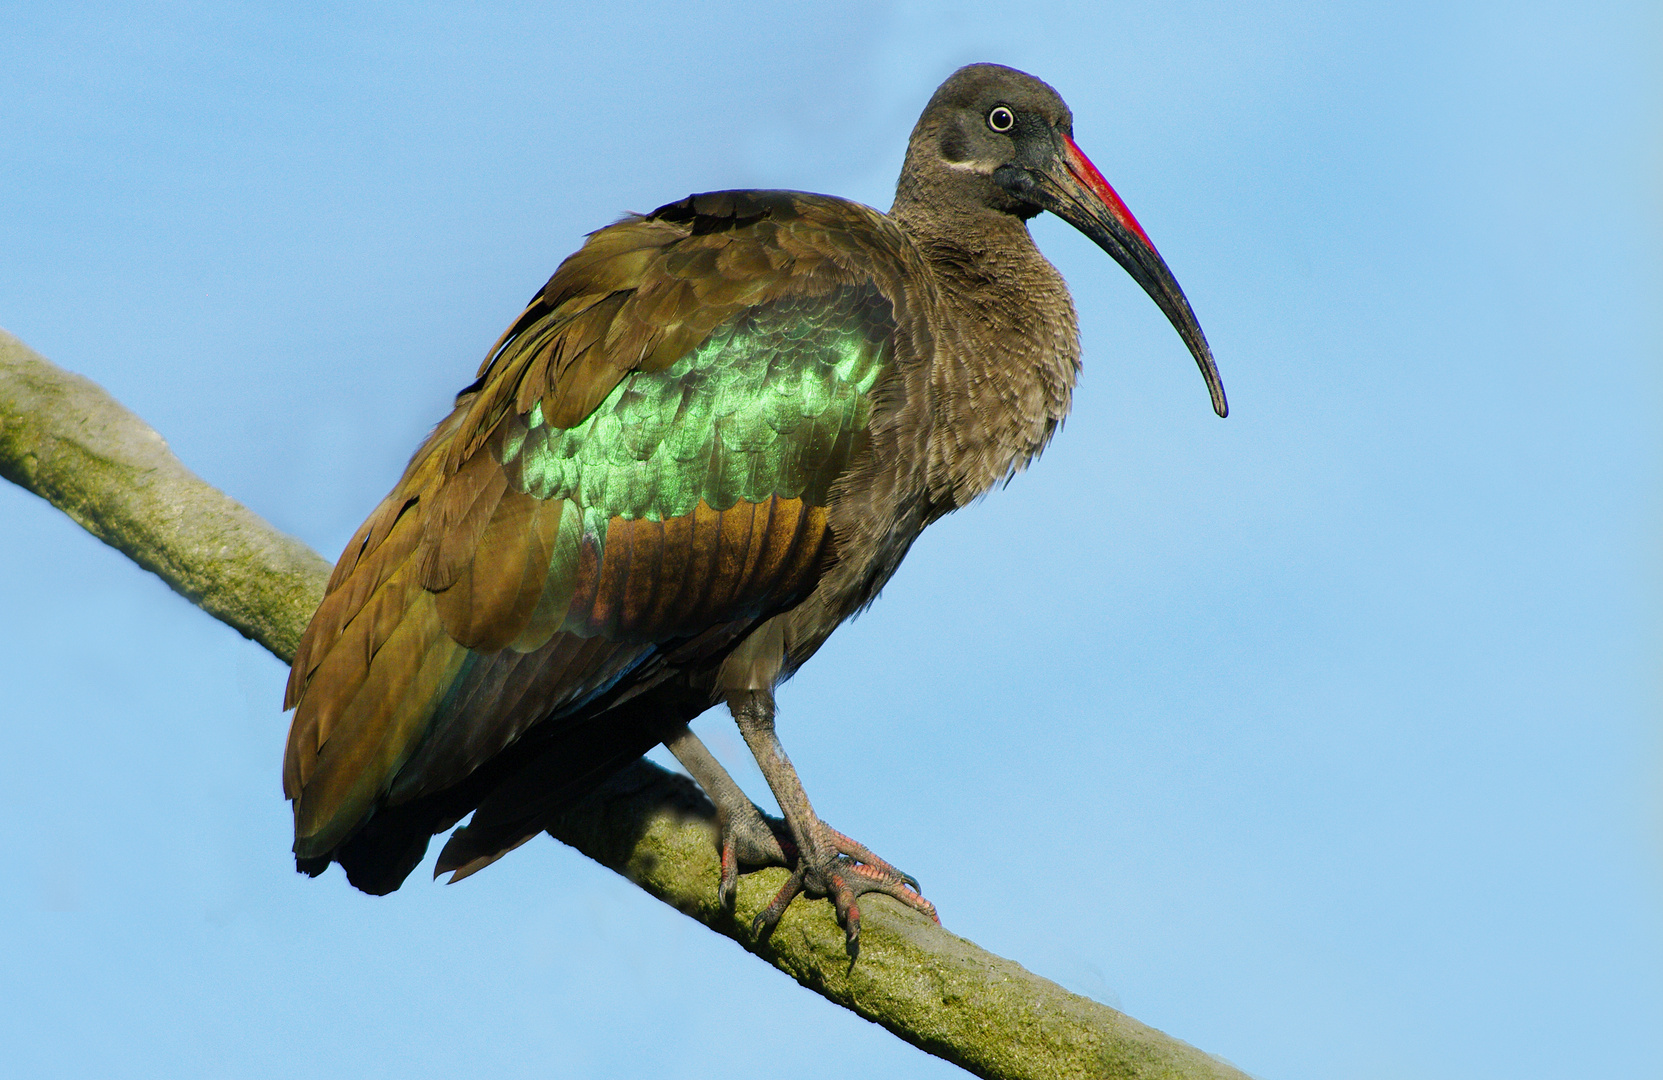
(1326, 737)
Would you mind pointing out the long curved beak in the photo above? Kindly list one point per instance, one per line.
(1077, 193)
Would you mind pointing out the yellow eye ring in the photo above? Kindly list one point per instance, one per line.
(1001, 119)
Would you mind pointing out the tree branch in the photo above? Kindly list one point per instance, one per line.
(65, 439)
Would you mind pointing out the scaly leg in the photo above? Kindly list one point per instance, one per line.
(827, 862)
(748, 836)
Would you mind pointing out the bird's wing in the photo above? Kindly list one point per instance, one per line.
(641, 470)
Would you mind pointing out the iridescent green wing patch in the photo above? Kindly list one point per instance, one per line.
(771, 404)
(713, 473)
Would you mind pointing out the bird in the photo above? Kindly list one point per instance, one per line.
(708, 441)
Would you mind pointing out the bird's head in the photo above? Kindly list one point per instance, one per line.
(997, 139)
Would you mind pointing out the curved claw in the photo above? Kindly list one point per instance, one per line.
(727, 885)
(860, 853)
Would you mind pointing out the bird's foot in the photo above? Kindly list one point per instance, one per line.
(752, 839)
(840, 869)
(823, 862)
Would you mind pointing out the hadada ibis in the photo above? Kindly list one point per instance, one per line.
(706, 442)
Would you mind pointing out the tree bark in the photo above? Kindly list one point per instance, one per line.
(65, 439)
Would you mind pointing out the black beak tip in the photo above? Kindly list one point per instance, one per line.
(1204, 360)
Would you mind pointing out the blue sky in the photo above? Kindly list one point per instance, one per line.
(1325, 737)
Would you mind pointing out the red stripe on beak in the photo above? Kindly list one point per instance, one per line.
(1081, 168)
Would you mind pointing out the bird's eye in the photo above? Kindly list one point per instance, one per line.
(1001, 118)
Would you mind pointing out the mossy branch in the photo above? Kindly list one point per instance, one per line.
(66, 440)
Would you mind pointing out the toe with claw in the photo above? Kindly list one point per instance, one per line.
(842, 870)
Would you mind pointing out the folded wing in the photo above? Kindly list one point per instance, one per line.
(640, 474)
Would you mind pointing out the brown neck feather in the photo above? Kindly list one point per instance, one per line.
(1008, 351)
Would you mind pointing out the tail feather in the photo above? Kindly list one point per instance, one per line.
(514, 796)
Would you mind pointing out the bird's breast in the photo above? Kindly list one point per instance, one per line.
(1003, 378)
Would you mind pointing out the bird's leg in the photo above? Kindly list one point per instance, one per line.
(748, 836)
(828, 863)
